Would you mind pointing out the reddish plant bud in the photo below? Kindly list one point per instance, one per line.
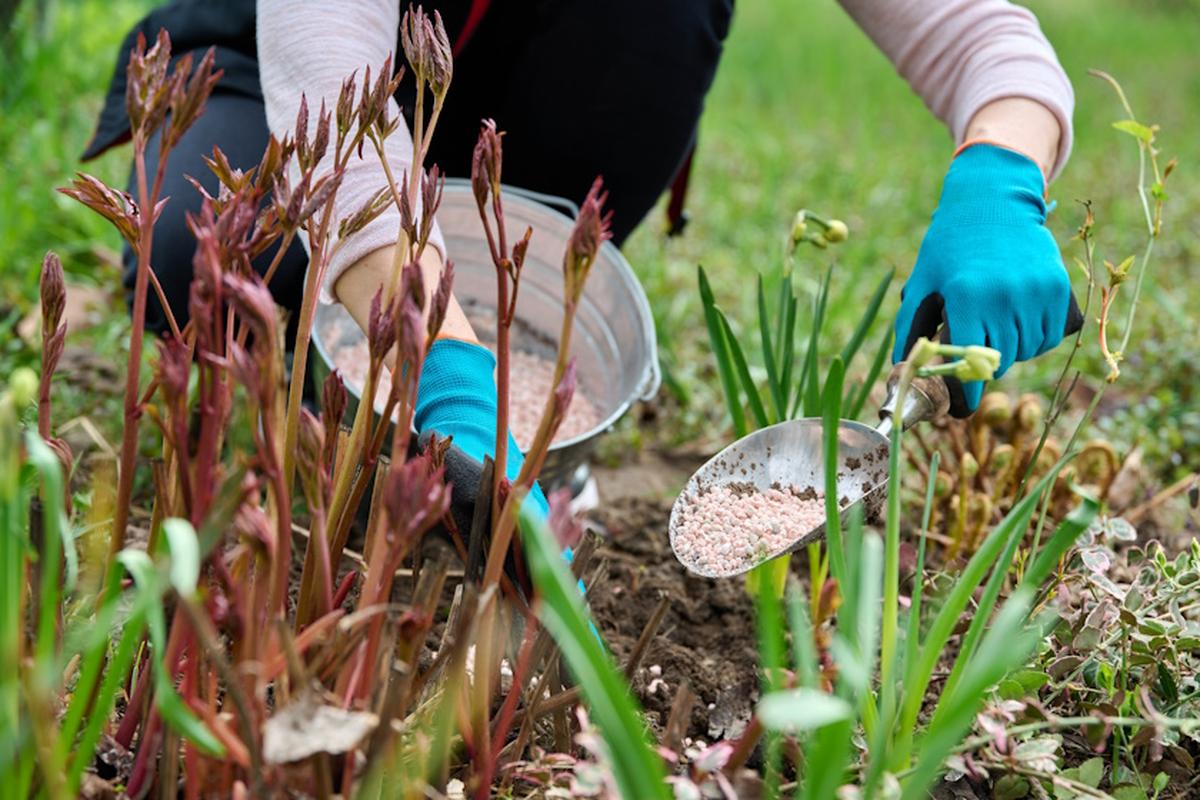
(117, 207)
(412, 284)
(414, 39)
(146, 92)
(327, 186)
(432, 184)
(343, 114)
(300, 135)
(272, 164)
(245, 371)
(381, 326)
(254, 304)
(320, 143)
(441, 300)
(333, 409)
(310, 458)
(366, 214)
(415, 498)
(188, 96)
(441, 58)
(54, 294)
(407, 222)
(520, 249)
(592, 229)
(486, 162)
(173, 370)
(251, 521)
(411, 332)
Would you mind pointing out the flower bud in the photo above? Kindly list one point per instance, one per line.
(923, 351)
(485, 163)
(1001, 458)
(968, 467)
(22, 386)
(836, 231)
(1028, 412)
(977, 364)
(333, 408)
(995, 410)
(381, 326)
(592, 229)
(54, 294)
(799, 226)
(943, 484)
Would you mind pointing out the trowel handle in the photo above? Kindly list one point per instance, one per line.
(926, 399)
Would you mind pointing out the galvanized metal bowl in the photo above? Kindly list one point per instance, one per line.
(613, 340)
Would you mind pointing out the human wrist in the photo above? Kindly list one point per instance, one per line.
(1019, 124)
(357, 286)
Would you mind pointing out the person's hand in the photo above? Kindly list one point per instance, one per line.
(457, 398)
(988, 268)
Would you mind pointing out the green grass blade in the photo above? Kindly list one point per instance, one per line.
(1009, 644)
(716, 337)
(787, 344)
(797, 710)
(768, 349)
(913, 632)
(636, 766)
(743, 371)
(828, 758)
(867, 319)
(1064, 536)
(92, 666)
(114, 678)
(831, 418)
(803, 652)
(42, 458)
(170, 706)
(769, 625)
(864, 391)
(811, 381)
(947, 617)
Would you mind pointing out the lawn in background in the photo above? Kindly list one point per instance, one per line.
(805, 113)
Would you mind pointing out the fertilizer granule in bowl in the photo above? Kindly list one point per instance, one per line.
(727, 529)
(532, 380)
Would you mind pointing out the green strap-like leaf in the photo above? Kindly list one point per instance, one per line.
(185, 555)
(716, 338)
(768, 349)
(636, 766)
(868, 318)
(743, 372)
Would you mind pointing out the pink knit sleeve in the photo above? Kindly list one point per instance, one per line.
(960, 55)
(310, 48)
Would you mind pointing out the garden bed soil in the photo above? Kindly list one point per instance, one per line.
(706, 639)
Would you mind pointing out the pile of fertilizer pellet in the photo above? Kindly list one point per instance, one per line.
(529, 386)
(726, 529)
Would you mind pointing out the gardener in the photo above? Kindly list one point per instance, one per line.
(616, 88)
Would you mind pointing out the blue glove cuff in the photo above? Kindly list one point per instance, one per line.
(457, 397)
(980, 181)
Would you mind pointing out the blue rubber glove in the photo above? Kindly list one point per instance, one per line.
(988, 267)
(457, 398)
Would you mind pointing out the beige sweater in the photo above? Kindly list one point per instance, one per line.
(958, 55)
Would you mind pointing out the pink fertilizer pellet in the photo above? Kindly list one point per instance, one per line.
(727, 529)
(532, 377)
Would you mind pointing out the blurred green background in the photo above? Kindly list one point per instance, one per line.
(805, 113)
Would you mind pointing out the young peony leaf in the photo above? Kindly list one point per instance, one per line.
(797, 710)
(185, 555)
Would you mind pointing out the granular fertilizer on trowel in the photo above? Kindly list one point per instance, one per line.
(728, 528)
